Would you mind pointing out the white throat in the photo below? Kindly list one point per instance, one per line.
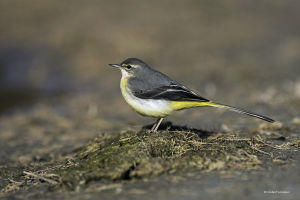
(125, 74)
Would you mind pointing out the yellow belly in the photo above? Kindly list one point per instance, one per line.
(146, 107)
(154, 107)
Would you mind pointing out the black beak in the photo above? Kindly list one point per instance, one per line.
(114, 65)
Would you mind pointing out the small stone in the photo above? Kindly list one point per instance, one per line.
(296, 120)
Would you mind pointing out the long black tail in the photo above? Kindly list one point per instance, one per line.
(241, 111)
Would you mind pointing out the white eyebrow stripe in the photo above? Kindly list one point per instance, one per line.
(132, 65)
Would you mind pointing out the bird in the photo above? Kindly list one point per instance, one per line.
(153, 94)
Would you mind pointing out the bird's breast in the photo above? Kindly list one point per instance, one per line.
(146, 107)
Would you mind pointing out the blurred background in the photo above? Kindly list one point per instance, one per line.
(57, 91)
(54, 56)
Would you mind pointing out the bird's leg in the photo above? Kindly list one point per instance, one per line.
(154, 125)
(157, 124)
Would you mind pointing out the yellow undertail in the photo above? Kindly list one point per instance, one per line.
(179, 105)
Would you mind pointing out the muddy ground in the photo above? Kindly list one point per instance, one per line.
(66, 132)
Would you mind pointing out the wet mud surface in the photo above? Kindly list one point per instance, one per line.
(133, 163)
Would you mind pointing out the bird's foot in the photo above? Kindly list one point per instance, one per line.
(149, 131)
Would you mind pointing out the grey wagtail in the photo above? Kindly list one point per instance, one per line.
(152, 93)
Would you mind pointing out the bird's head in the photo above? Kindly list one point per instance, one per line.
(131, 67)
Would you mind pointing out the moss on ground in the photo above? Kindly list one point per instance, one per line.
(140, 155)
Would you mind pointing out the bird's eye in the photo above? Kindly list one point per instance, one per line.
(128, 67)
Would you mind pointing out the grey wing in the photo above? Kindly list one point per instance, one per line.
(172, 92)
